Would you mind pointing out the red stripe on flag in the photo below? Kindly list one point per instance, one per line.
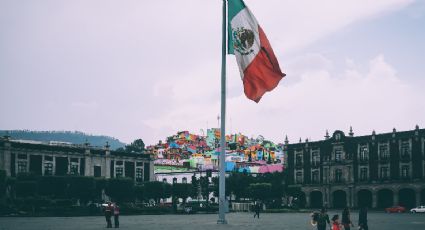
(263, 73)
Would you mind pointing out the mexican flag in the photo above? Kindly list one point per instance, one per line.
(260, 71)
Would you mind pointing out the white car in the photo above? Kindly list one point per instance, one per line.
(418, 209)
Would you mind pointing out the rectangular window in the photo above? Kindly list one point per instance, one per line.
(97, 171)
(384, 152)
(384, 173)
(338, 175)
(405, 149)
(73, 168)
(325, 175)
(147, 170)
(315, 158)
(299, 178)
(22, 166)
(364, 153)
(405, 171)
(139, 174)
(315, 177)
(363, 174)
(338, 155)
(119, 171)
(48, 168)
(299, 159)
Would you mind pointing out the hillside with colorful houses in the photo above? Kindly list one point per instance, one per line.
(185, 151)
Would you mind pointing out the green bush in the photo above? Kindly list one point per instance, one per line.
(25, 188)
(82, 188)
(120, 189)
(260, 191)
(2, 183)
(26, 177)
(53, 186)
(64, 202)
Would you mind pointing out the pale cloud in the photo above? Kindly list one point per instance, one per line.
(321, 100)
(146, 69)
(295, 24)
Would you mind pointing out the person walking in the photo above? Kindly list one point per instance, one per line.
(108, 214)
(116, 215)
(257, 208)
(363, 219)
(346, 219)
(322, 219)
(335, 223)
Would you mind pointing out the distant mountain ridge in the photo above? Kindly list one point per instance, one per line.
(74, 137)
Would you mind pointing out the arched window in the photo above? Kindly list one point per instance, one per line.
(164, 180)
(184, 180)
(174, 180)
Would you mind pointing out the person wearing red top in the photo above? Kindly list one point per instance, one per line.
(116, 215)
(108, 214)
(335, 223)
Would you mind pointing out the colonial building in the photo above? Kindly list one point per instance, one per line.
(378, 170)
(64, 159)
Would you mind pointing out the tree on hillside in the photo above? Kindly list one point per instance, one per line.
(137, 146)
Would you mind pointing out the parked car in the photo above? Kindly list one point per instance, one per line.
(398, 209)
(418, 209)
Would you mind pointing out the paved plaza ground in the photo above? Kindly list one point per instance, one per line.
(245, 221)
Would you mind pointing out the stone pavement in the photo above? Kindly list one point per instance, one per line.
(245, 221)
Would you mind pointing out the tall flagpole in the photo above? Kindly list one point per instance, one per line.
(222, 162)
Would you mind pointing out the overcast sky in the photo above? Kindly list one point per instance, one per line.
(147, 69)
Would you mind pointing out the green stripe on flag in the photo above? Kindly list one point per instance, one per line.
(234, 7)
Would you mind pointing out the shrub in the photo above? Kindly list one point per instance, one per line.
(25, 188)
(120, 189)
(54, 186)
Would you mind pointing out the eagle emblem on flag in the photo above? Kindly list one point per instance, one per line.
(243, 39)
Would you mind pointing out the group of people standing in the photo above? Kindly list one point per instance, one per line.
(112, 209)
(321, 220)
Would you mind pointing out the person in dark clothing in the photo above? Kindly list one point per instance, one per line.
(346, 219)
(363, 219)
(322, 220)
(108, 214)
(116, 215)
(257, 208)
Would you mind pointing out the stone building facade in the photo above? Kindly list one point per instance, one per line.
(378, 170)
(58, 159)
